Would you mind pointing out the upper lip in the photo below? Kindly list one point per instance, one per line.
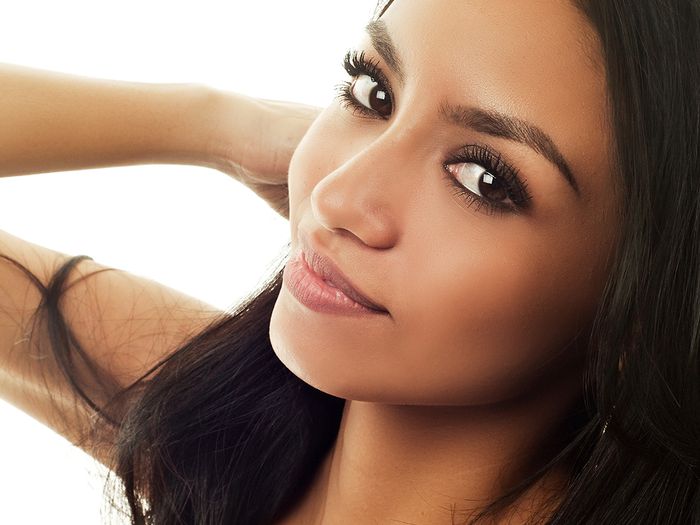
(328, 271)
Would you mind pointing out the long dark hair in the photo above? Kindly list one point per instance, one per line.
(223, 433)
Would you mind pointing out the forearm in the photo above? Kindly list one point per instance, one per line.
(52, 121)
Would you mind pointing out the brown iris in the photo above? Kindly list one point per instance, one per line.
(491, 187)
(377, 98)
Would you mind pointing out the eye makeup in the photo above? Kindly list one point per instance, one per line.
(498, 176)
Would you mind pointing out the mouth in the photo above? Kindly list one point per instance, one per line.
(330, 273)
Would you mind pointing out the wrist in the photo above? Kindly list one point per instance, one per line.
(234, 129)
(188, 127)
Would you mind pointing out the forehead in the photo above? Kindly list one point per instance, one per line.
(534, 59)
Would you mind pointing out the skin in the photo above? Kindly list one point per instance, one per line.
(460, 391)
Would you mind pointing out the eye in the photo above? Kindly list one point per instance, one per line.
(480, 181)
(483, 178)
(369, 92)
(371, 95)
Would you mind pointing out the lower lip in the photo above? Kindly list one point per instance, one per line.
(313, 292)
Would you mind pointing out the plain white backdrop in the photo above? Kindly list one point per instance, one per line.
(191, 228)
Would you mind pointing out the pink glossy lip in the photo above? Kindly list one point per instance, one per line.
(316, 281)
(329, 272)
(316, 294)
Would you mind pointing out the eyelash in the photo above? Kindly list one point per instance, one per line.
(356, 64)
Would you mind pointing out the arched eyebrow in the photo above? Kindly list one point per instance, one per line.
(488, 121)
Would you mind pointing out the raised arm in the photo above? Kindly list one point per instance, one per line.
(51, 121)
(125, 323)
(55, 122)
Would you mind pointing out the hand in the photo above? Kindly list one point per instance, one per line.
(253, 142)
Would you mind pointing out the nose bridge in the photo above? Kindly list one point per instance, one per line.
(368, 192)
(380, 163)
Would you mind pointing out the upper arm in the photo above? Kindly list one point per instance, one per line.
(125, 324)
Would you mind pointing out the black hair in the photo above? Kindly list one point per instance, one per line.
(223, 433)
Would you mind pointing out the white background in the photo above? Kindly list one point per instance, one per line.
(192, 228)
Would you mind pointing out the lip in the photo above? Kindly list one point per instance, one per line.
(329, 272)
(317, 281)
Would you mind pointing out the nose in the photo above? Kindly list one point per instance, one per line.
(369, 193)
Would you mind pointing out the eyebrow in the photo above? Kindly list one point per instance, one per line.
(488, 121)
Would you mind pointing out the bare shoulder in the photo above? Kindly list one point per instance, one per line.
(124, 322)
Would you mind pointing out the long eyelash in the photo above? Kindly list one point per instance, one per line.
(347, 100)
(484, 155)
(356, 63)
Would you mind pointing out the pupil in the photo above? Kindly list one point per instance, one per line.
(379, 100)
(491, 187)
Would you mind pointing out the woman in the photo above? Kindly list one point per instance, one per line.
(490, 311)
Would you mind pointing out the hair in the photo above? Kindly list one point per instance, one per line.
(223, 432)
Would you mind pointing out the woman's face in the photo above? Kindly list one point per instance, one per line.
(481, 301)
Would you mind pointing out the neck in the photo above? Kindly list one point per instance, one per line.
(408, 464)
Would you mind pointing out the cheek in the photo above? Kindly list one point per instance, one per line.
(484, 323)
